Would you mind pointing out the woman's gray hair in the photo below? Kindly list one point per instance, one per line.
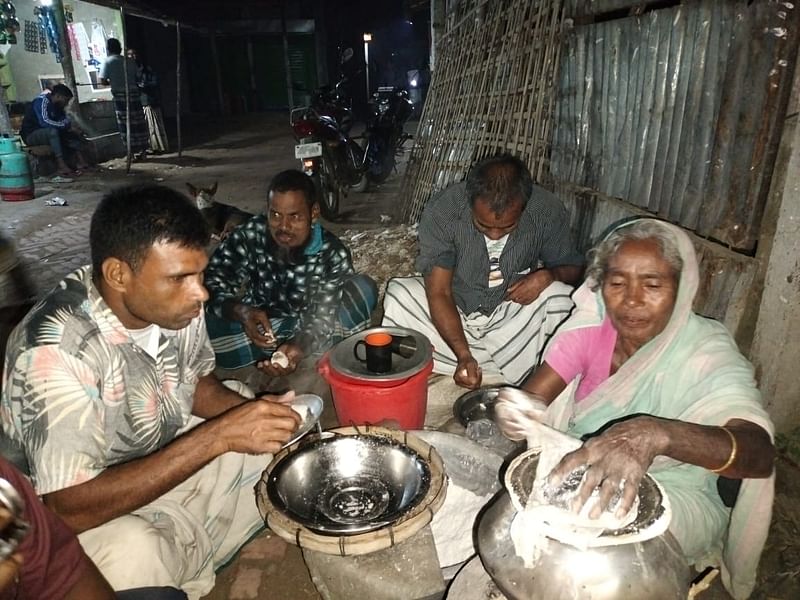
(645, 229)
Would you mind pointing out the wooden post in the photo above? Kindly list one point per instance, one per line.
(217, 75)
(437, 28)
(5, 121)
(66, 58)
(251, 63)
(128, 156)
(178, 90)
(289, 91)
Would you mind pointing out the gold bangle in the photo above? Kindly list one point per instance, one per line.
(734, 450)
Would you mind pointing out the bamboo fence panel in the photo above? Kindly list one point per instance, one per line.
(492, 92)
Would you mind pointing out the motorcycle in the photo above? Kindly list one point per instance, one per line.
(389, 110)
(327, 153)
(332, 101)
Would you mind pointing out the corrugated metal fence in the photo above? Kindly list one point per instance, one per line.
(677, 111)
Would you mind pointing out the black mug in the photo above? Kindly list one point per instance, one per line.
(377, 352)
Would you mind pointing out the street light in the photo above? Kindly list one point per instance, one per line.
(367, 40)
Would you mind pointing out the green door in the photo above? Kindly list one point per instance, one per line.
(270, 71)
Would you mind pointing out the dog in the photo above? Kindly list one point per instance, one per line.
(222, 218)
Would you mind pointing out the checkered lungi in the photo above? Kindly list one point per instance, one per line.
(234, 349)
(140, 135)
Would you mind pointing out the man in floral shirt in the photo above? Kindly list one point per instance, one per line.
(106, 382)
(282, 283)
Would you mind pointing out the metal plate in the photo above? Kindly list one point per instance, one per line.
(476, 404)
(344, 363)
(310, 406)
(308, 150)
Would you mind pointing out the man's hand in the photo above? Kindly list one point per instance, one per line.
(256, 325)
(617, 459)
(260, 426)
(527, 289)
(468, 374)
(293, 353)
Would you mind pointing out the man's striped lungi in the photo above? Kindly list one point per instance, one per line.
(508, 341)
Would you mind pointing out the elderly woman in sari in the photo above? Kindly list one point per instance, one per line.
(652, 386)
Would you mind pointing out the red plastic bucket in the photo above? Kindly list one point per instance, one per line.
(364, 402)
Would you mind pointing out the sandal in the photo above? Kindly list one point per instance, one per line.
(60, 179)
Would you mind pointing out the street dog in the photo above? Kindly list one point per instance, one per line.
(222, 218)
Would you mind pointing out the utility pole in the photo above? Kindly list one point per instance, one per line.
(286, 60)
(438, 16)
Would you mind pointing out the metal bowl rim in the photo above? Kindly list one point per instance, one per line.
(276, 469)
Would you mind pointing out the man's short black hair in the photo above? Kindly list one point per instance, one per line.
(293, 180)
(113, 46)
(499, 180)
(62, 90)
(130, 220)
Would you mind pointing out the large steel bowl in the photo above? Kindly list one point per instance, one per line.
(654, 568)
(348, 484)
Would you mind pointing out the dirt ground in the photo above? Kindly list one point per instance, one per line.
(241, 154)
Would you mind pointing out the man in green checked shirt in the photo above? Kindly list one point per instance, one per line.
(281, 283)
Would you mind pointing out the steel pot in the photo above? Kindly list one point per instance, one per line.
(654, 568)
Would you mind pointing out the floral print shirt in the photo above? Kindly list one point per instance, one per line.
(79, 395)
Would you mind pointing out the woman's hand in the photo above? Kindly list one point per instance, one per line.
(617, 459)
(516, 412)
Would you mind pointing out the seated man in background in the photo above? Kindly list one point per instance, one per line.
(102, 381)
(283, 283)
(498, 263)
(46, 124)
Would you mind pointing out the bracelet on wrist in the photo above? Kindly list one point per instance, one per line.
(732, 456)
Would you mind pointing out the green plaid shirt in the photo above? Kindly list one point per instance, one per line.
(310, 291)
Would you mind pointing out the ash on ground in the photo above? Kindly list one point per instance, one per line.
(383, 253)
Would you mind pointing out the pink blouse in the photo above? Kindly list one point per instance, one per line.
(584, 353)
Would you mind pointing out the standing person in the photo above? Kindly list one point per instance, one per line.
(111, 405)
(497, 263)
(301, 293)
(147, 80)
(113, 73)
(654, 387)
(46, 124)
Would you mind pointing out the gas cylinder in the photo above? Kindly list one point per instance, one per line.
(16, 182)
